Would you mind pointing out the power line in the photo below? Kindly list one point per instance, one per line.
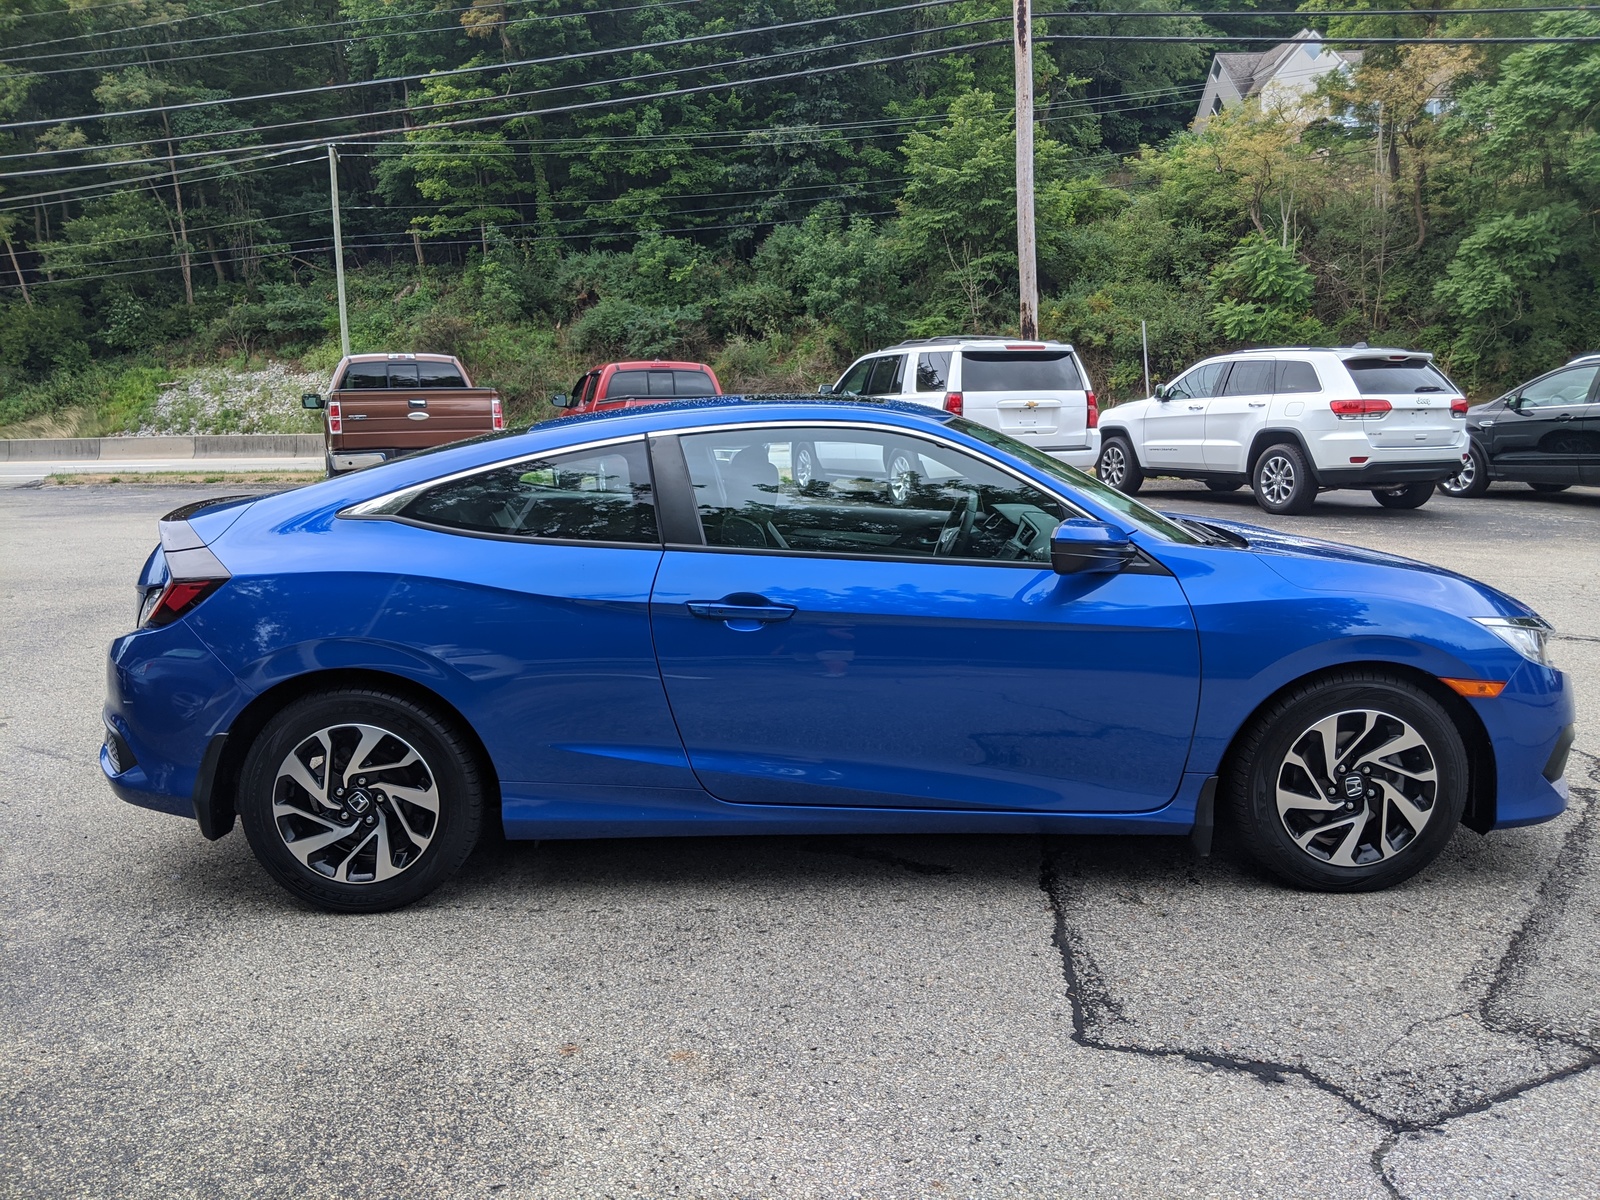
(505, 66)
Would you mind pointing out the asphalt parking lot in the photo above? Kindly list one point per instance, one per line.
(874, 1017)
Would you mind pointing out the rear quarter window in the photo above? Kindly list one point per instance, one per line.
(1296, 377)
(1385, 376)
(365, 375)
(1019, 371)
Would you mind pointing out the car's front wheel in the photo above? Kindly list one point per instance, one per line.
(1410, 495)
(357, 800)
(1118, 466)
(1473, 479)
(803, 470)
(1282, 481)
(1349, 784)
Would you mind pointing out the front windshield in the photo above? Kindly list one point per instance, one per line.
(1142, 516)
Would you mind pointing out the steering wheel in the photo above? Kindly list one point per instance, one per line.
(953, 538)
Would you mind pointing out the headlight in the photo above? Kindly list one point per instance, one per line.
(1528, 636)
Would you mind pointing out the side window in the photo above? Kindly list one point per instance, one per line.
(580, 389)
(855, 381)
(933, 371)
(1295, 377)
(1199, 383)
(402, 375)
(867, 493)
(364, 375)
(1562, 388)
(590, 496)
(886, 374)
(1250, 377)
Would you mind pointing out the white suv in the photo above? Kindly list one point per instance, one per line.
(1293, 421)
(1038, 392)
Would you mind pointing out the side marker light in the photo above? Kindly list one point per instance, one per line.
(1483, 689)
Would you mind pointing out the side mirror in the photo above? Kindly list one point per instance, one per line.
(1514, 403)
(310, 400)
(825, 389)
(561, 400)
(1080, 546)
(1163, 392)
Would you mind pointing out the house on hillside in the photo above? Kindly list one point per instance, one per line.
(1285, 75)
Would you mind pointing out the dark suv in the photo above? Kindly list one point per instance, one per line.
(1545, 433)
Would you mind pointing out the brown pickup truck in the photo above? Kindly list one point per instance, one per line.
(386, 405)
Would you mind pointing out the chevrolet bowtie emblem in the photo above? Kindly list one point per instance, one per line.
(1032, 404)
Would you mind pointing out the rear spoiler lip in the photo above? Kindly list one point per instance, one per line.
(186, 553)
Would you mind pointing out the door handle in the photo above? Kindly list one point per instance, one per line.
(1196, 407)
(1566, 416)
(1258, 404)
(723, 610)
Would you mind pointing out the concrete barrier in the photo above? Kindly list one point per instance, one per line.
(226, 445)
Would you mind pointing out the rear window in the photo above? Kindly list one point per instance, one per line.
(402, 375)
(664, 383)
(365, 375)
(1019, 371)
(439, 375)
(1385, 376)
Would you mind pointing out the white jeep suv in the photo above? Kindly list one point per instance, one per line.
(1038, 392)
(1293, 421)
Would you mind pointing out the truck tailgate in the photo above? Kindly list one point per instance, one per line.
(410, 419)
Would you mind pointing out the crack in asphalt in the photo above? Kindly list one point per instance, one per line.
(866, 854)
(1088, 994)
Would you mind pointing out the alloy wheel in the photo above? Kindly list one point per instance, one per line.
(1462, 480)
(355, 803)
(1357, 788)
(805, 467)
(1277, 479)
(899, 477)
(1113, 465)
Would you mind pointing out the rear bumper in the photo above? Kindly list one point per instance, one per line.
(1390, 474)
(1083, 457)
(354, 460)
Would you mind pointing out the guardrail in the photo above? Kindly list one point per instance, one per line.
(221, 445)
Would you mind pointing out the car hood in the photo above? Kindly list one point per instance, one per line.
(1322, 566)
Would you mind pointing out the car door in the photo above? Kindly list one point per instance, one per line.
(1236, 412)
(1544, 435)
(901, 641)
(1174, 429)
(888, 371)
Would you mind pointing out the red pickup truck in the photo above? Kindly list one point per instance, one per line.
(384, 405)
(631, 384)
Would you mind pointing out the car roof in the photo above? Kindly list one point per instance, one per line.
(978, 340)
(382, 357)
(1341, 352)
(657, 364)
(754, 406)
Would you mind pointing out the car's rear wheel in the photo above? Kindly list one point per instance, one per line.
(1549, 488)
(1224, 485)
(360, 801)
(1118, 466)
(1473, 479)
(1282, 481)
(1410, 495)
(900, 467)
(1349, 784)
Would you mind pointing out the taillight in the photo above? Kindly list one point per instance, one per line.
(335, 420)
(1458, 407)
(1360, 410)
(1094, 410)
(178, 597)
(498, 413)
(953, 403)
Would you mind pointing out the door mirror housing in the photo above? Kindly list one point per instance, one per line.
(1163, 391)
(1080, 546)
(310, 400)
(561, 400)
(825, 389)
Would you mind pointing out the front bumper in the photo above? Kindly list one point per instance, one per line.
(1530, 726)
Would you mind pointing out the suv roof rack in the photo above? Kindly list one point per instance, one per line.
(951, 338)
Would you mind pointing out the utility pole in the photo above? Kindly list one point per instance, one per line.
(338, 249)
(1027, 266)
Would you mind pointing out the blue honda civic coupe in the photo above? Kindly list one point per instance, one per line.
(786, 616)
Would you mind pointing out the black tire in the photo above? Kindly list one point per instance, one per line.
(1549, 489)
(1118, 466)
(804, 468)
(1390, 710)
(1473, 480)
(1224, 485)
(435, 765)
(1282, 481)
(1407, 495)
(327, 463)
